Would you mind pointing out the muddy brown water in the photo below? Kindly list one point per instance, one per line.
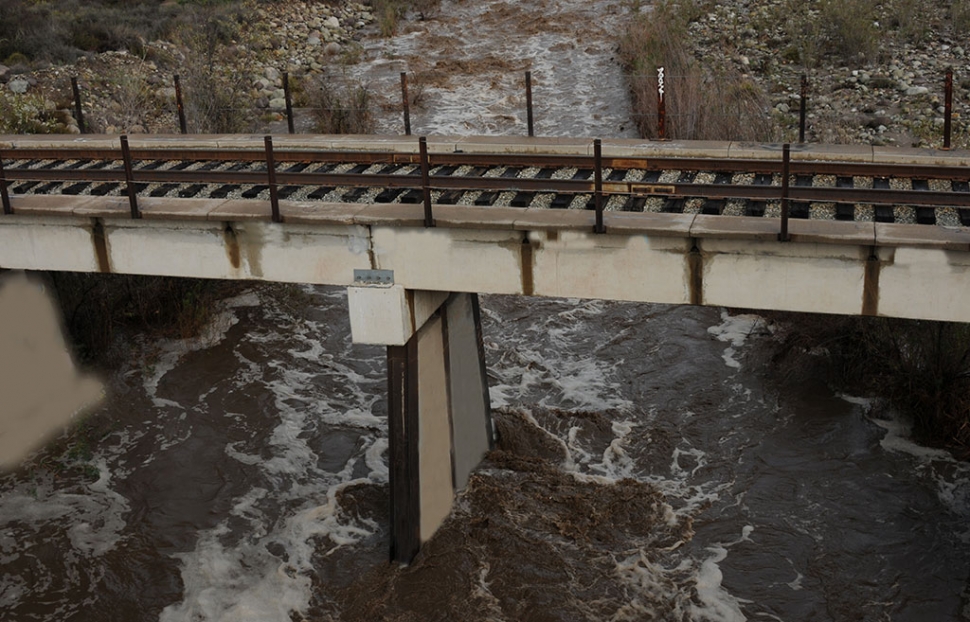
(646, 470)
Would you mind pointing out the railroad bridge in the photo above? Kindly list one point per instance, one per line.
(416, 228)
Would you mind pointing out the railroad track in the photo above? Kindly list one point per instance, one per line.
(936, 194)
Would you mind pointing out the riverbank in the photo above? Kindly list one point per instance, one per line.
(876, 72)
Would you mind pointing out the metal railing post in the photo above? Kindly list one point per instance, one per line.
(405, 103)
(274, 199)
(598, 187)
(528, 103)
(785, 168)
(426, 182)
(948, 109)
(4, 195)
(661, 106)
(79, 115)
(289, 103)
(129, 178)
(179, 105)
(802, 103)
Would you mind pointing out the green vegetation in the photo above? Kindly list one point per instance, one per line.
(26, 114)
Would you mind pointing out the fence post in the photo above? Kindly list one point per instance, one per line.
(528, 102)
(77, 104)
(406, 103)
(661, 106)
(785, 168)
(948, 108)
(801, 109)
(179, 105)
(598, 187)
(129, 178)
(289, 103)
(274, 199)
(4, 195)
(426, 182)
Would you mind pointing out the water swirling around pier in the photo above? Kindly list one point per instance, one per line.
(646, 469)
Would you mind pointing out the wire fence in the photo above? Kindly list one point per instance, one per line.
(665, 106)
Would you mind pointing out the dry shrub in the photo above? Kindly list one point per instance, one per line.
(701, 103)
(842, 29)
(61, 31)
(390, 12)
(341, 106)
(217, 99)
(960, 15)
(98, 308)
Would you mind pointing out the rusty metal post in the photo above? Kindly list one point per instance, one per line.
(598, 188)
(289, 103)
(179, 105)
(528, 102)
(785, 169)
(948, 109)
(802, 103)
(406, 103)
(4, 195)
(129, 178)
(78, 114)
(661, 106)
(274, 199)
(426, 182)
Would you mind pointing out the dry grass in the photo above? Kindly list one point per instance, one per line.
(341, 106)
(217, 99)
(701, 103)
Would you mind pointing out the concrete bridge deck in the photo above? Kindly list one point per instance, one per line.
(425, 308)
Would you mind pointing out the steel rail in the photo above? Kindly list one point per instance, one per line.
(714, 165)
(113, 171)
(504, 184)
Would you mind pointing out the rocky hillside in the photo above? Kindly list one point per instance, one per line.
(243, 54)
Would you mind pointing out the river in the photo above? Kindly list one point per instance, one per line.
(648, 467)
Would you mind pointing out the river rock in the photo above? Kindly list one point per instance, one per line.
(332, 48)
(332, 23)
(4, 73)
(18, 85)
(277, 103)
(272, 74)
(917, 90)
(166, 93)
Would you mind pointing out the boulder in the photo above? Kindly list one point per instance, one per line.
(18, 85)
(277, 103)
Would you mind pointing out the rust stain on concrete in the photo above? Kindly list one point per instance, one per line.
(527, 264)
(870, 286)
(100, 241)
(695, 277)
(232, 245)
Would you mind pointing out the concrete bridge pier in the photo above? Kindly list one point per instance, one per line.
(439, 419)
